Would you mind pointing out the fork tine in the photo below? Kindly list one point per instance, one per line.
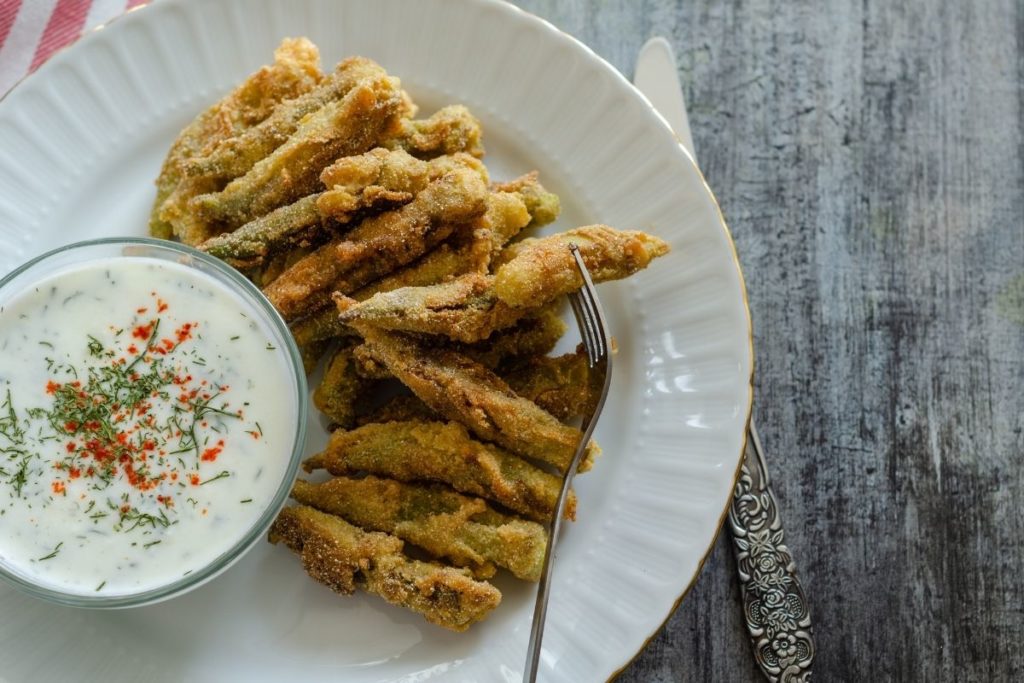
(590, 318)
(585, 323)
(577, 310)
(593, 314)
(593, 323)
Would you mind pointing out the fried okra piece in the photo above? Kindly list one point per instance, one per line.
(344, 558)
(380, 244)
(464, 309)
(320, 326)
(269, 270)
(296, 70)
(470, 250)
(378, 179)
(340, 388)
(446, 260)
(311, 354)
(401, 408)
(467, 308)
(450, 130)
(543, 206)
(563, 386)
(460, 529)
(438, 166)
(538, 270)
(461, 389)
(344, 127)
(367, 365)
(265, 273)
(283, 228)
(445, 453)
(531, 337)
(506, 216)
(235, 156)
(383, 178)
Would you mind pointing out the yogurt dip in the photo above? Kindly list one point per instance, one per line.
(146, 422)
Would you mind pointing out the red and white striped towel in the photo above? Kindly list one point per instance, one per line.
(32, 30)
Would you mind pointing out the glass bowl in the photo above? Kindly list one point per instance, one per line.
(251, 301)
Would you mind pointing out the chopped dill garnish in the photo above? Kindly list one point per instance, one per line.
(223, 473)
(52, 554)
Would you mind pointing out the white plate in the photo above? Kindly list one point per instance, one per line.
(82, 140)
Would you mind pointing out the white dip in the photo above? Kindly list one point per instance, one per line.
(146, 421)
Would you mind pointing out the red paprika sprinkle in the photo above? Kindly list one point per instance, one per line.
(143, 331)
(210, 454)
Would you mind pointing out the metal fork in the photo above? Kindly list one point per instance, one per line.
(591, 321)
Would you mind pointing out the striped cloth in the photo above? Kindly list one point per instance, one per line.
(32, 30)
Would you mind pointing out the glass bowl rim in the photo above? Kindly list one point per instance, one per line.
(245, 290)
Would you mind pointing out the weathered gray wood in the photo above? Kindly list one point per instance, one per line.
(869, 158)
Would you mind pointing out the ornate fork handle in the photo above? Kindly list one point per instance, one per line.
(774, 605)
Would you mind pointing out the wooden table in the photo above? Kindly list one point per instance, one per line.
(869, 158)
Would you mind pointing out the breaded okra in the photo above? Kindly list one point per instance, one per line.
(344, 558)
(461, 529)
(237, 155)
(296, 70)
(543, 206)
(380, 244)
(378, 179)
(351, 125)
(464, 309)
(288, 226)
(339, 389)
(450, 130)
(461, 389)
(446, 453)
(563, 386)
(530, 337)
(538, 270)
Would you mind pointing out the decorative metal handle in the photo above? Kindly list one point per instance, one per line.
(774, 605)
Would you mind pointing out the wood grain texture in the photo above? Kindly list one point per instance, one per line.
(869, 158)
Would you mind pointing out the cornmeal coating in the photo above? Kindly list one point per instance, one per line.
(469, 250)
(322, 325)
(351, 125)
(378, 179)
(544, 206)
(296, 70)
(289, 226)
(530, 337)
(340, 388)
(564, 386)
(380, 244)
(235, 156)
(344, 558)
(460, 529)
(538, 270)
(401, 408)
(461, 389)
(446, 453)
(464, 309)
(535, 335)
(450, 130)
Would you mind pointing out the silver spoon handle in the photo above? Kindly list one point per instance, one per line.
(774, 606)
